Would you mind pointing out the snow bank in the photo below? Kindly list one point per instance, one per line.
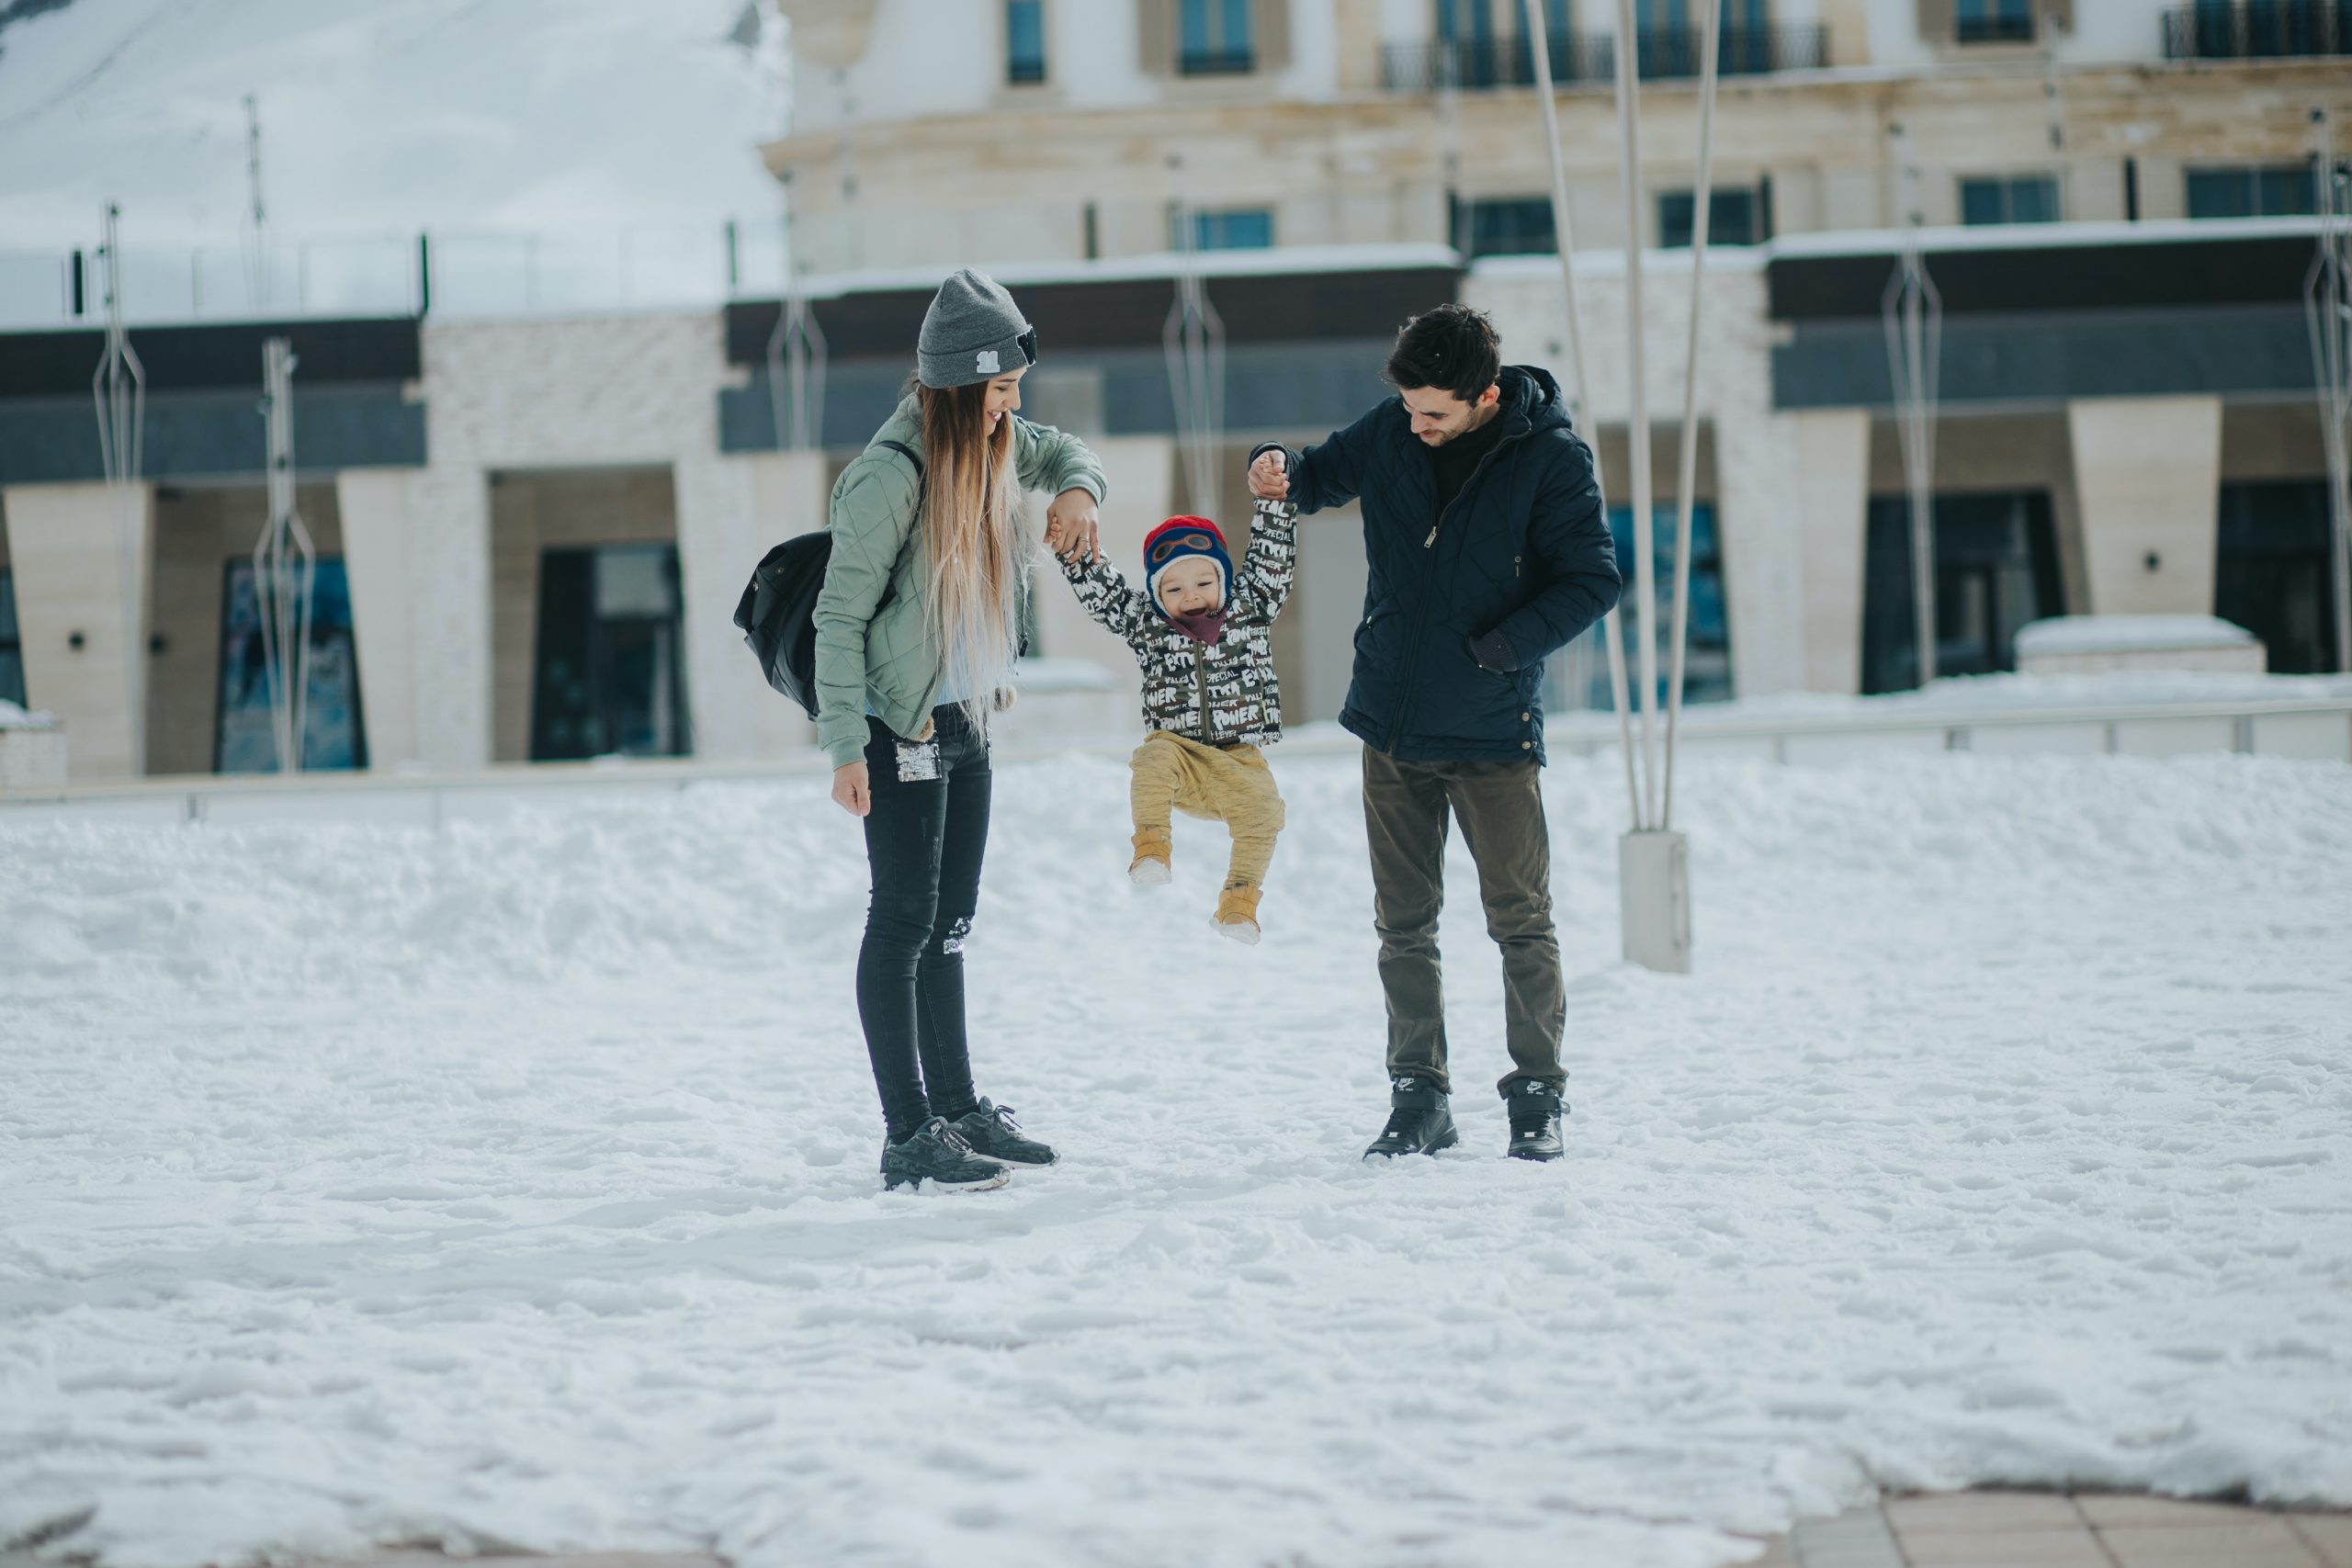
(2012, 693)
(2127, 634)
(14, 718)
(516, 1183)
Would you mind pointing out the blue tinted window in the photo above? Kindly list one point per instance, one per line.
(1731, 219)
(1246, 228)
(333, 733)
(1214, 39)
(1025, 41)
(1515, 226)
(2283, 191)
(2026, 198)
(12, 653)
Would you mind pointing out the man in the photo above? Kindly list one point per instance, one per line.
(1488, 549)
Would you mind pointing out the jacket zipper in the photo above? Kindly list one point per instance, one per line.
(1201, 687)
(1420, 611)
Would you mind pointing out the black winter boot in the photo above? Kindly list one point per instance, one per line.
(1535, 1111)
(934, 1152)
(1421, 1120)
(994, 1135)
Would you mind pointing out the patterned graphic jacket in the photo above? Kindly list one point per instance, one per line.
(1224, 692)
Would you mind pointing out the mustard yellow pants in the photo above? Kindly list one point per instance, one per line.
(1233, 787)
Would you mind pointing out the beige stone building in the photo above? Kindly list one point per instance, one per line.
(532, 530)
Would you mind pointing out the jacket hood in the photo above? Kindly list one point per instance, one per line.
(1530, 393)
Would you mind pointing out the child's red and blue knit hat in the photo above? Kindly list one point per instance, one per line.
(1179, 538)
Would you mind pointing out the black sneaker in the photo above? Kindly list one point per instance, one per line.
(1535, 1111)
(935, 1152)
(1421, 1120)
(994, 1135)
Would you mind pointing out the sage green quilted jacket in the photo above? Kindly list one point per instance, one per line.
(888, 659)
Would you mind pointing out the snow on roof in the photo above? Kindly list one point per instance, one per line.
(2125, 634)
(14, 718)
(1274, 261)
(2041, 236)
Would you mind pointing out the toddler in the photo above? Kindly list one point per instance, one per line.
(1202, 633)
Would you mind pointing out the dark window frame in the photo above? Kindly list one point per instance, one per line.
(12, 642)
(1211, 48)
(2263, 183)
(1964, 521)
(1504, 226)
(1993, 21)
(2004, 189)
(1219, 222)
(231, 572)
(1678, 213)
(1021, 70)
(593, 637)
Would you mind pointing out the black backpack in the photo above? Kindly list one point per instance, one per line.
(777, 612)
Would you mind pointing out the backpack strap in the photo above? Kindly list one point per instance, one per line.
(903, 450)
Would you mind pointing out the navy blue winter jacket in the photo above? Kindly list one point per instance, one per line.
(1461, 609)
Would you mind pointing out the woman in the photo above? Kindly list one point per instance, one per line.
(916, 627)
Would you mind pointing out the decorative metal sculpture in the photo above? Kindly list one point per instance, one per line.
(1913, 314)
(1193, 341)
(285, 566)
(2328, 308)
(797, 367)
(118, 388)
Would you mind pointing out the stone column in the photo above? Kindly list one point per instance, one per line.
(1832, 483)
(2147, 483)
(64, 544)
(1759, 517)
(732, 511)
(374, 504)
(449, 569)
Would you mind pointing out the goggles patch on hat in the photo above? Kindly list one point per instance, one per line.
(1165, 547)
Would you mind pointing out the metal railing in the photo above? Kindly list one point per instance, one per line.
(455, 273)
(1993, 29)
(1665, 53)
(2259, 29)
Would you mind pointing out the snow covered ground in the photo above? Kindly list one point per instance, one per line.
(515, 1183)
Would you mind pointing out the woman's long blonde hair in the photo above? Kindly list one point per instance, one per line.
(971, 530)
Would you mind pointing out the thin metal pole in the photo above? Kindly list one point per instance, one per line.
(1687, 469)
(118, 388)
(1912, 316)
(1580, 396)
(2327, 304)
(1629, 166)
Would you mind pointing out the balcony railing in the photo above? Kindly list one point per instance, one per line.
(1997, 28)
(1472, 65)
(1217, 63)
(2259, 29)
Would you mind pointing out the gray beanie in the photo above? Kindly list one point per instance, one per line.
(972, 332)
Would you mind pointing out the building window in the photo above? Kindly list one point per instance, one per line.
(1993, 21)
(1580, 677)
(1238, 228)
(1997, 567)
(2277, 190)
(1733, 218)
(2023, 199)
(243, 740)
(12, 648)
(2271, 572)
(1514, 226)
(1024, 41)
(1214, 39)
(610, 677)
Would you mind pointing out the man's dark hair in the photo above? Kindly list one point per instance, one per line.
(1452, 348)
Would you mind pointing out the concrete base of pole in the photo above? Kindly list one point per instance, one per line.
(1654, 899)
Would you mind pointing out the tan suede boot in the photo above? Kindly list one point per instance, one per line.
(1149, 868)
(1236, 915)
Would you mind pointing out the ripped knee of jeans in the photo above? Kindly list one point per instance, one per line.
(951, 941)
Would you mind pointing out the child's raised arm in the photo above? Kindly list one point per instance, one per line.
(1118, 608)
(1269, 566)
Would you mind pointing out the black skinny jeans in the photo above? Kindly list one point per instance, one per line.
(924, 840)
